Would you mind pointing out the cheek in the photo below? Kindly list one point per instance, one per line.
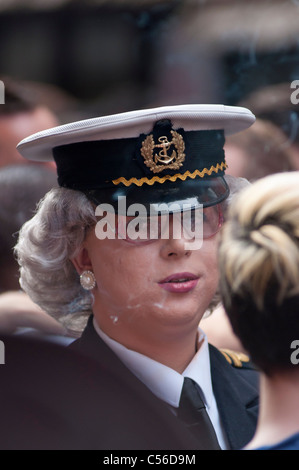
(123, 275)
(212, 280)
(209, 261)
(213, 265)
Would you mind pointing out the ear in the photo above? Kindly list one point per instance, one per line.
(82, 260)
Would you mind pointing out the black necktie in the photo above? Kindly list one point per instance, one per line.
(193, 413)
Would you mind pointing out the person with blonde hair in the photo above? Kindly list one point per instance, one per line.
(259, 284)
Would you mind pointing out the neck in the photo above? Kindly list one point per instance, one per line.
(279, 412)
(173, 347)
(175, 353)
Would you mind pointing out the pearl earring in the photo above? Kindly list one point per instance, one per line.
(87, 280)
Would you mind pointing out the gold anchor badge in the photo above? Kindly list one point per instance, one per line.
(162, 160)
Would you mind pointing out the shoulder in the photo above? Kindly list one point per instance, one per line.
(237, 359)
(227, 357)
(290, 443)
(233, 366)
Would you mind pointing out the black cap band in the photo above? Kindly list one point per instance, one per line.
(102, 164)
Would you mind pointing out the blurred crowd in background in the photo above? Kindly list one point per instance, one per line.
(66, 60)
(96, 57)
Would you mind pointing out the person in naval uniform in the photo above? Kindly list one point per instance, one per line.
(129, 241)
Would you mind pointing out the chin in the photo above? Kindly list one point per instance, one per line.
(179, 316)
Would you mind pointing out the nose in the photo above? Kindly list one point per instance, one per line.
(174, 245)
(174, 248)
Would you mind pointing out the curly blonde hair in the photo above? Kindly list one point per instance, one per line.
(259, 268)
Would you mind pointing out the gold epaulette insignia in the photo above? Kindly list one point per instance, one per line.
(235, 358)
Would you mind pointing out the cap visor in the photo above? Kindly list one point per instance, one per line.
(169, 197)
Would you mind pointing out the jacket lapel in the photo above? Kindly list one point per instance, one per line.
(93, 346)
(236, 397)
(236, 393)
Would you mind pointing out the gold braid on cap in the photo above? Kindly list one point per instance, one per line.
(183, 177)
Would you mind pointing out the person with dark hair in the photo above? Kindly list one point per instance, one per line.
(55, 398)
(21, 188)
(259, 152)
(21, 114)
(259, 284)
(278, 104)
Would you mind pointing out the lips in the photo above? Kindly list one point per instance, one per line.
(179, 282)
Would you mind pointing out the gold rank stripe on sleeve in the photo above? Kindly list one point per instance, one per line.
(235, 358)
(183, 177)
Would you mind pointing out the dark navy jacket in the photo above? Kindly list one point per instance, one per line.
(235, 385)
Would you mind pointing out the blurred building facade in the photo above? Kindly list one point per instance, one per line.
(117, 55)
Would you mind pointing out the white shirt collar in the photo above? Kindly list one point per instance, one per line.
(163, 381)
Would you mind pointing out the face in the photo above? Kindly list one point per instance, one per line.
(16, 127)
(149, 288)
(237, 160)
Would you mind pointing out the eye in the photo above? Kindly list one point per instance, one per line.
(212, 221)
(193, 219)
(210, 215)
(204, 222)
